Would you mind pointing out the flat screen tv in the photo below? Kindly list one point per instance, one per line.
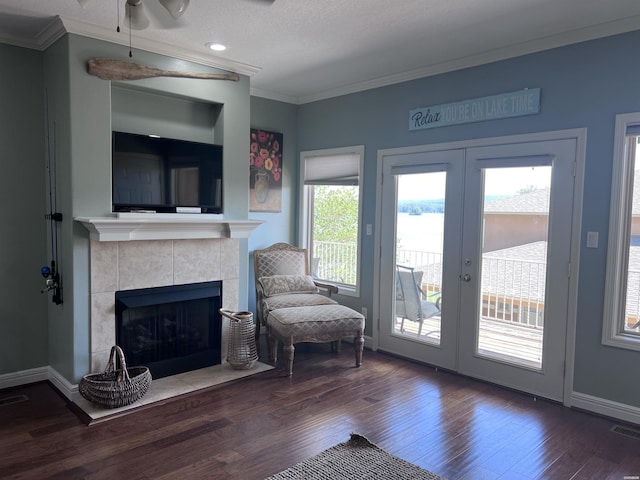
(164, 175)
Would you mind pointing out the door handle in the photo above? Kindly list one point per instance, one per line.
(465, 278)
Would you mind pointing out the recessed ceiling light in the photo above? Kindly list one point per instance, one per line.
(218, 47)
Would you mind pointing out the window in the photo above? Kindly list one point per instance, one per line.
(330, 217)
(621, 326)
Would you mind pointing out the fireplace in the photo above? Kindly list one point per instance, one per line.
(170, 329)
(117, 266)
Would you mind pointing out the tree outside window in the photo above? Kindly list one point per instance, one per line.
(335, 233)
(332, 207)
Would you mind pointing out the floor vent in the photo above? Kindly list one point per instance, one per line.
(626, 431)
(11, 400)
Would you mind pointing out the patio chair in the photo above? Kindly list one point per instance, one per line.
(289, 304)
(410, 304)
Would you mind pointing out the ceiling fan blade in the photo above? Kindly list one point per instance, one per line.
(135, 15)
(175, 7)
(160, 17)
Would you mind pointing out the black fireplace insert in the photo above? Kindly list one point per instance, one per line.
(171, 329)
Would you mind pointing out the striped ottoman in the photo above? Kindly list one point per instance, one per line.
(317, 324)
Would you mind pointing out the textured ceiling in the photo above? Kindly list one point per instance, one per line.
(303, 50)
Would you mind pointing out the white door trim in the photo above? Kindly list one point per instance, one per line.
(580, 136)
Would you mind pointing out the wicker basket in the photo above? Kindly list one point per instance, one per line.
(242, 351)
(115, 387)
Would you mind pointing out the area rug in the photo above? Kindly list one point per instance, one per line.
(356, 458)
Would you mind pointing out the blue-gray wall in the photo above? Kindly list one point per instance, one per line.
(23, 241)
(279, 226)
(81, 106)
(583, 85)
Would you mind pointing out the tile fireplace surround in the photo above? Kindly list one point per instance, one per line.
(154, 263)
(164, 260)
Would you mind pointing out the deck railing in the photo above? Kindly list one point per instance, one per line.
(632, 313)
(512, 290)
(335, 262)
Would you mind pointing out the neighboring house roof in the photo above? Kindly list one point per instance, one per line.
(536, 202)
(535, 251)
(518, 272)
(635, 206)
(515, 272)
(633, 282)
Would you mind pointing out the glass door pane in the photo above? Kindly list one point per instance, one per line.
(515, 226)
(498, 260)
(631, 324)
(420, 247)
(419, 254)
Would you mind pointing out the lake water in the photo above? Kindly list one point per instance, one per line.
(420, 232)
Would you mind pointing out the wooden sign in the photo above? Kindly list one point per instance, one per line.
(513, 104)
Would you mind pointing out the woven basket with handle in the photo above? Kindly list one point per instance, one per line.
(116, 387)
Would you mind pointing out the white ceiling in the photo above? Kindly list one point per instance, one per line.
(304, 50)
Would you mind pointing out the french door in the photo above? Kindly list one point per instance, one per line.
(484, 235)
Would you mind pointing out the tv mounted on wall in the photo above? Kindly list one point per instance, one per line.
(164, 175)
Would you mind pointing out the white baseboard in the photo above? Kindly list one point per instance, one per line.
(69, 390)
(14, 379)
(368, 342)
(608, 408)
(40, 374)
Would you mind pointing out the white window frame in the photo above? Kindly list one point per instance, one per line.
(305, 212)
(613, 331)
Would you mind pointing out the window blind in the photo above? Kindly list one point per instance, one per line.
(343, 169)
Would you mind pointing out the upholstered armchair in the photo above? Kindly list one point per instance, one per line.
(283, 280)
(289, 303)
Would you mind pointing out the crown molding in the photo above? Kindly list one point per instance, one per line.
(60, 26)
(45, 37)
(9, 39)
(110, 35)
(280, 97)
(546, 43)
(50, 33)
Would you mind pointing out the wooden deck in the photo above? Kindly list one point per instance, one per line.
(498, 340)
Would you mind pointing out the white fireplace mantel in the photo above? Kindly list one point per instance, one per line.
(176, 226)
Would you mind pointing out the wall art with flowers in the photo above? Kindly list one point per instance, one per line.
(265, 163)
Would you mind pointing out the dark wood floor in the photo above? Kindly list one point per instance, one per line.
(255, 427)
